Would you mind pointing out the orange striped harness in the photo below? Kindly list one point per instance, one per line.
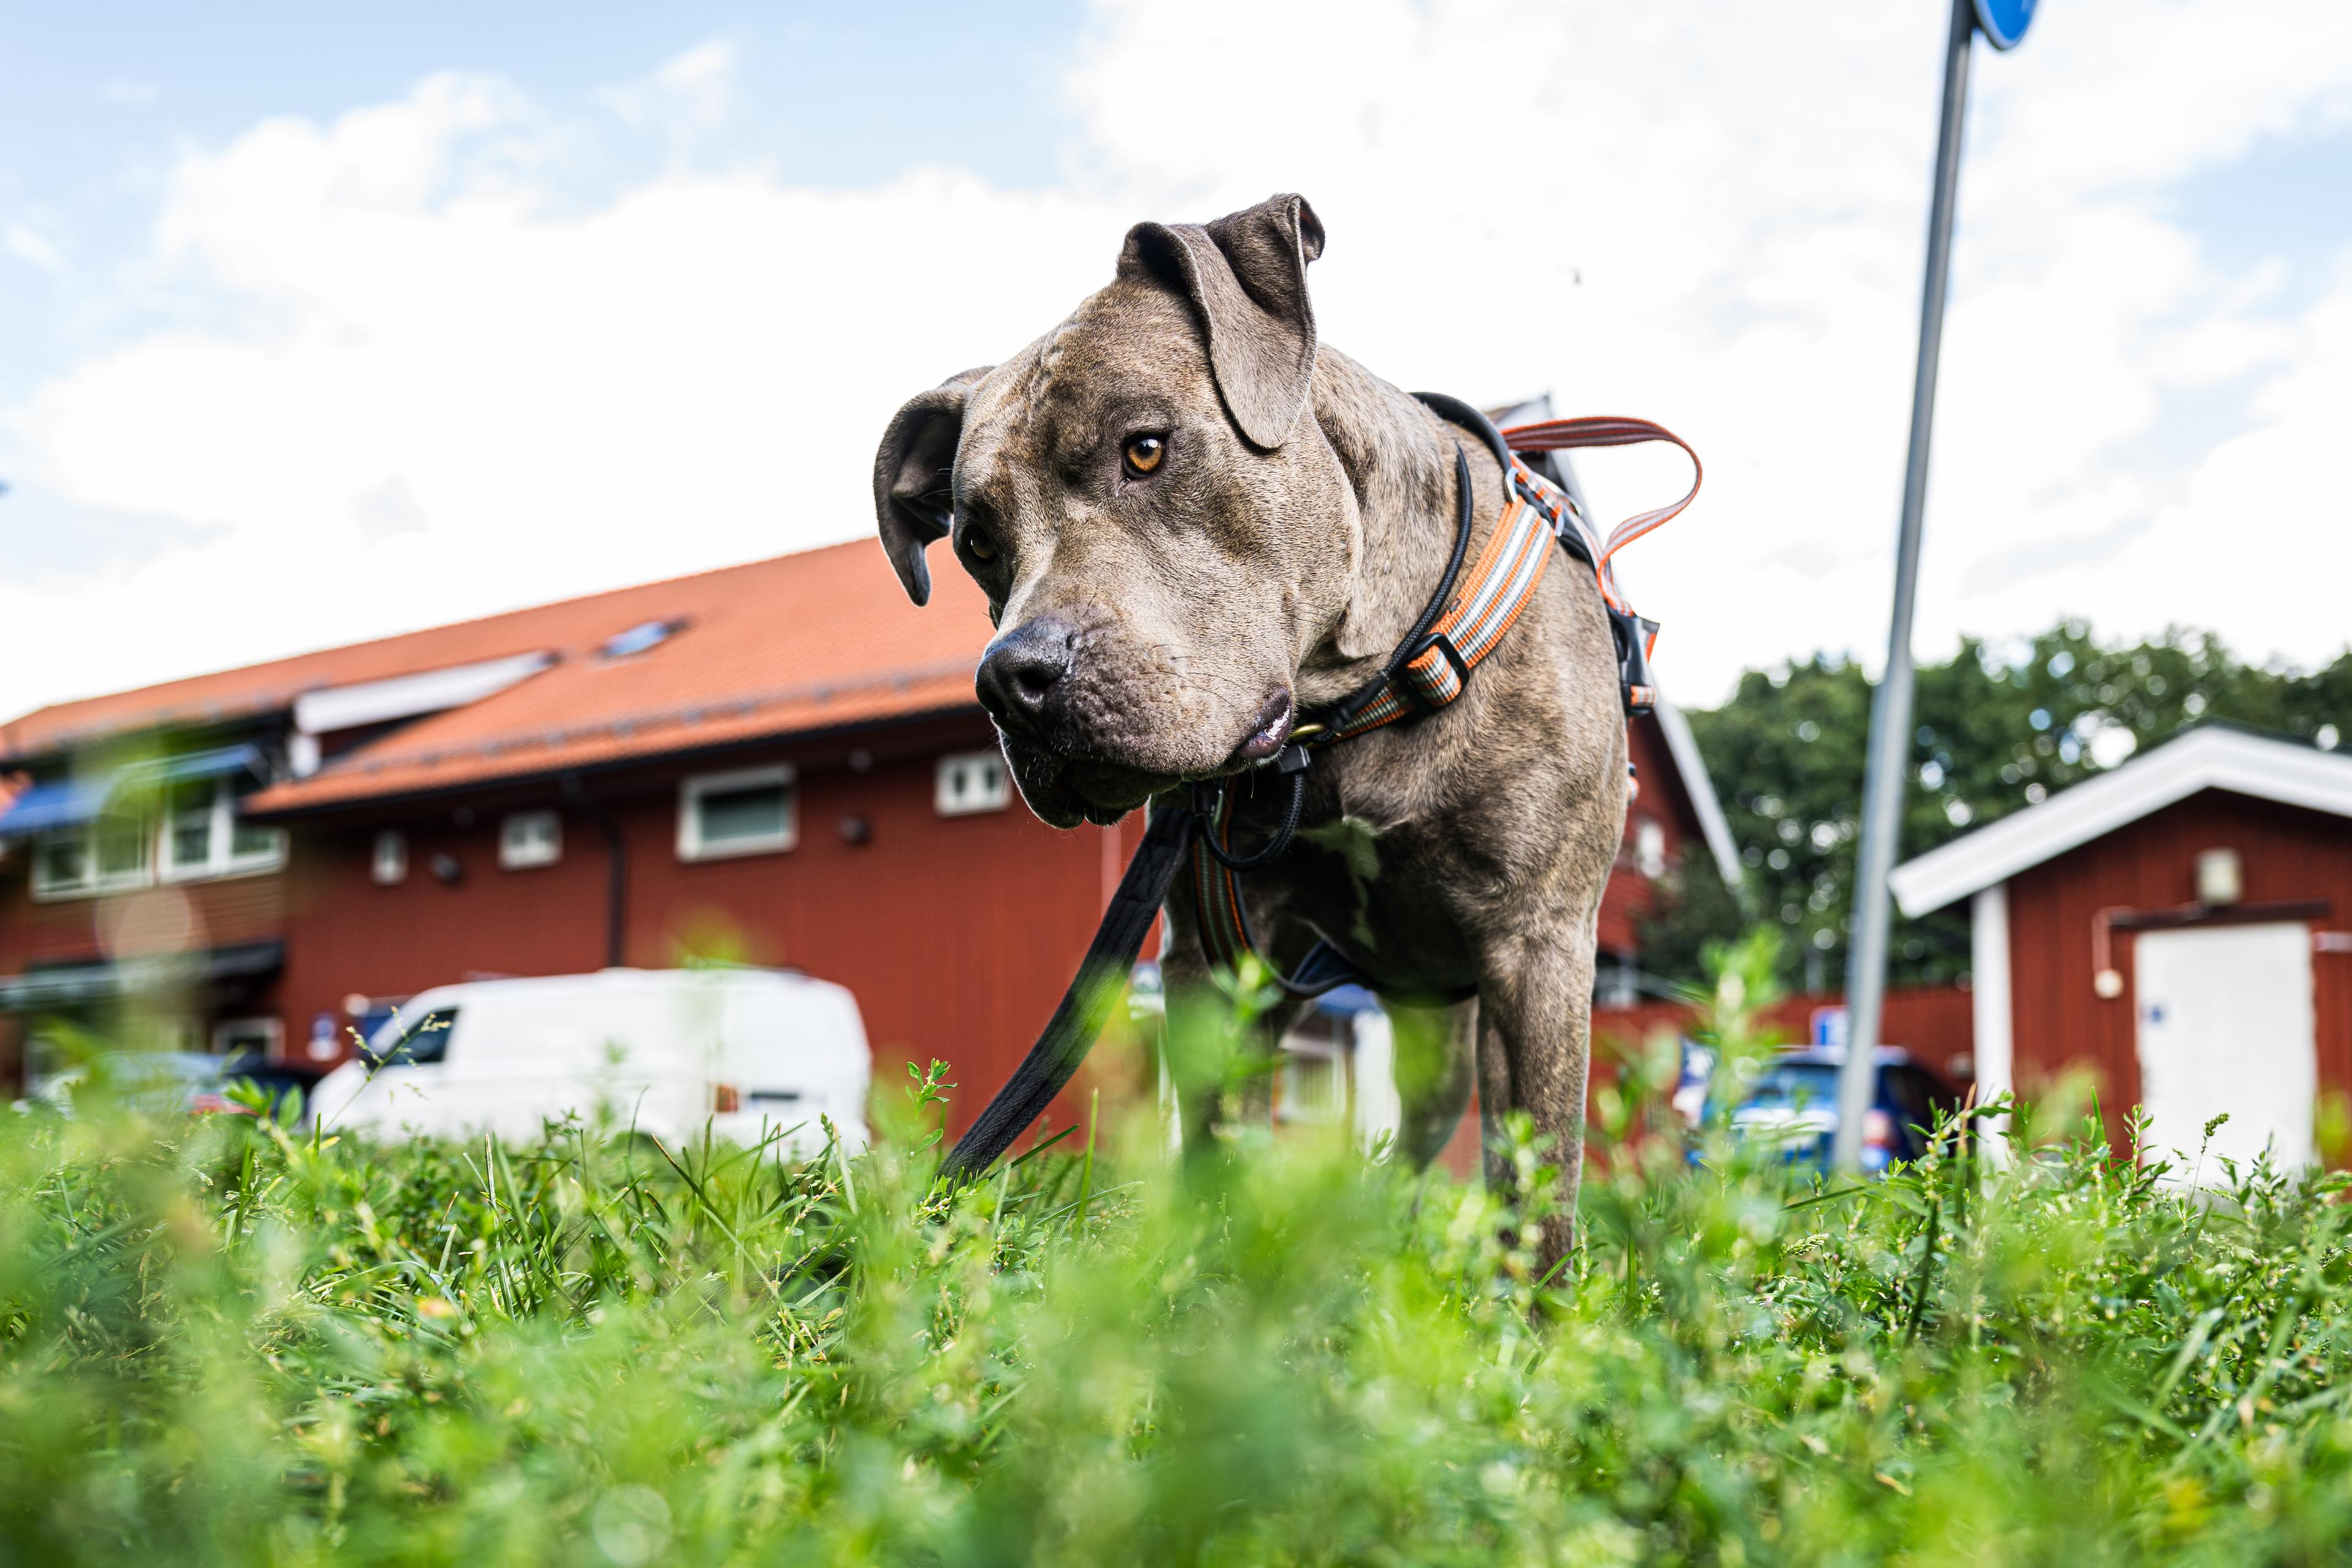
(1431, 669)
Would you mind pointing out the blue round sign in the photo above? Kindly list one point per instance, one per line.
(2004, 21)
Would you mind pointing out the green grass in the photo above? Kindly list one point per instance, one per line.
(221, 1341)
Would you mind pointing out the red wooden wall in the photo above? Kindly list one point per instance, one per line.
(218, 913)
(2060, 1021)
(1661, 797)
(956, 934)
(179, 917)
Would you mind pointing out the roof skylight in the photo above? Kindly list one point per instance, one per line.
(639, 639)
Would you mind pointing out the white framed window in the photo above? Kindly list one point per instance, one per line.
(752, 811)
(191, 828)
(235, 1036)
(527, 839)
(388, 860)
(106, 855)
(971, 781)
(203, 836)
(1649, 847)
(1314, 1081)
(62, 865)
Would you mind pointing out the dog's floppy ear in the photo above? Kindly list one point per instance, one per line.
(1247, 274)
(914, 476)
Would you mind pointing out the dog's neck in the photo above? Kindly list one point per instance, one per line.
(1399, 461)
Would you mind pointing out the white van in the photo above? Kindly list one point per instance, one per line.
(747, 1052)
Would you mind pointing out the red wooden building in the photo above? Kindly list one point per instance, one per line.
(2176, 928)
(781, 763)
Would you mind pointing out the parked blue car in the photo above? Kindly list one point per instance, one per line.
(1792, 1103)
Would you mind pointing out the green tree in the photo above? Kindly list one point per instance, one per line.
(1999, 727)
(1696, 911)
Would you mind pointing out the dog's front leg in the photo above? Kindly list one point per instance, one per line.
(1221, 1066)
(1191, 1024)
(1535, 1041)
(1435, 1061)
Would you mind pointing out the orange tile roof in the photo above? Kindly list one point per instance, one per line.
(813, 640)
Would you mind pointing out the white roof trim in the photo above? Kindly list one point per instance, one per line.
(332, 708)
(2210, 758)
(1683, 746)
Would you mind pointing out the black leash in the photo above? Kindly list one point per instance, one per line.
(1085, 1006)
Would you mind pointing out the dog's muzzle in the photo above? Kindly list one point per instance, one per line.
(1025, 674)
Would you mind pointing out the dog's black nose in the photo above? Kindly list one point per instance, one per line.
(1022, 670)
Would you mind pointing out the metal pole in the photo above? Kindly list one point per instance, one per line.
(1890, 707)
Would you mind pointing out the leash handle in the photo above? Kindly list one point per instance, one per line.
(1610, 430)
(1085, 1007)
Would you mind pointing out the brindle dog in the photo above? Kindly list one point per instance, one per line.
(1192, 521)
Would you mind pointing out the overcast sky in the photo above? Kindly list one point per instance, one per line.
(315, 329)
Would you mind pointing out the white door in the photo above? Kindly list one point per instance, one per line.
(2225, 1024)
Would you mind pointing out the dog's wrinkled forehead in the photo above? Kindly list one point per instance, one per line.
(1129, 355)
(1198, 317)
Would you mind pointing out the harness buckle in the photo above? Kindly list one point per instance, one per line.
(1291, 759)
(1634, 637)
(1445, 646)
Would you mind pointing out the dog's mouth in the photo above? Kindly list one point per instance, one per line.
(1067, 785)
(1269, 731)
(1066, 790)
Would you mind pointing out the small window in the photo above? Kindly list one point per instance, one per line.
(121, 852)
(1649, 846)
(748, 813)
(413, 1042)
(257, 1037)
(1314, 1082)
(188, 826)
(108, 856)
(251, 844)
(528, 838)
(204, 835)
(389, 863)
(971, 781)
(61, 862)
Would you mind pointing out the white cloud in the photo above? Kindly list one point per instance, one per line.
(446, 401)
(2258, 545)
(442, 392)
(28, 245)
(689, 95)
(1744, 203)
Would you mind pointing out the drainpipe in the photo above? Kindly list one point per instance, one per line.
(616, 857)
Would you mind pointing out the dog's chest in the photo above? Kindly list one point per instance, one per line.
(1371, 894)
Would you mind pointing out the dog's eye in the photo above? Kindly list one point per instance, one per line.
(979, 546)
(1144, 453)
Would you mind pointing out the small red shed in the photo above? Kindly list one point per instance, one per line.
(2177, 926)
